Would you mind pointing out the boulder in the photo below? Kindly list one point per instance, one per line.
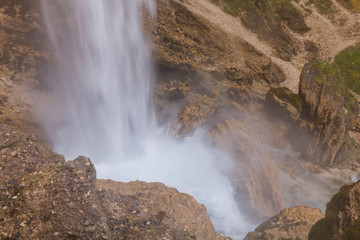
(328, 105)
(342, 217)
(65, 201)
(147, 211)
(290, 223)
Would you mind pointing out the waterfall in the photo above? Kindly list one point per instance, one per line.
(101, 107)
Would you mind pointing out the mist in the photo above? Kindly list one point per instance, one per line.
(100, 105)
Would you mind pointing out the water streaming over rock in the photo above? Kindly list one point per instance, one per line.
(101, 107)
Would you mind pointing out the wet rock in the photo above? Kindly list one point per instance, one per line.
(255, 175)
(328, 106)
(342, 216)
(284, 103)
(290, 223)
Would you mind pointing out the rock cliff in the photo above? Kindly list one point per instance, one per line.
(332, 109)
(222, 64)
(290, 223)
(234, 68)
(41, 196)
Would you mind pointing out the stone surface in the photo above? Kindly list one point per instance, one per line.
(42, 197)
(208, 76)
(342, 216)
(255, 175)
(290, 223)
(327, 105)
(153, 211)
(283, 102)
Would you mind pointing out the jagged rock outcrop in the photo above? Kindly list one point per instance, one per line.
(200, 92)
(255, 177)
(342, 217)
(283, 102)
(290, 223)
(153, 211)
(210, 73)
(42, 197)
(328, 105)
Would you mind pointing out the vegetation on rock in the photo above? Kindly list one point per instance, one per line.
(348, 62)
(331, 106)
(344, 74)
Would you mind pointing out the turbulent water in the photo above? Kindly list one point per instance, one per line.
(101, 107)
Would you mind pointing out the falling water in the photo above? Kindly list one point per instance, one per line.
(101, 107)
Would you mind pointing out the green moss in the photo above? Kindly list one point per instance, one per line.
(340, 82)
(320, 230)
(233, 6)
(320, 80)
(349, 63)
(324, 67)
(352, 232)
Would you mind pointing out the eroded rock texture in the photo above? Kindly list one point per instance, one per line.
(342, 217)
(330, 109)
(290, 223)
(42, 197)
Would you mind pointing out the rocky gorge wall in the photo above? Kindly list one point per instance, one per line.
(41, 196)
(218, 69)
(241, 83)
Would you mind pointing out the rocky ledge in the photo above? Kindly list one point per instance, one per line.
(290, 223)
(42, 197)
